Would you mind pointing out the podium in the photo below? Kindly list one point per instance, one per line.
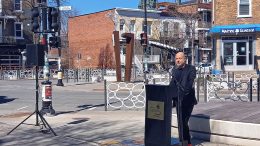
(158, 113)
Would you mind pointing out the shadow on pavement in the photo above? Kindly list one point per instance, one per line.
(5, 99)
(90, 133)
(83, 107)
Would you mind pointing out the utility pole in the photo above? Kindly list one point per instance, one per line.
(60, 75)
(46, 84)
(46, 69)
(145, 46)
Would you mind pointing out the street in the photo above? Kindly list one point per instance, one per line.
(20, 96)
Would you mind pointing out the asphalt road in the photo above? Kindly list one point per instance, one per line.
(20, 95)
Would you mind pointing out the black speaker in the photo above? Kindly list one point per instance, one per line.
(34, 55)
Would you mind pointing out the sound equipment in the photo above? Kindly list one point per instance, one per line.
(35, 55)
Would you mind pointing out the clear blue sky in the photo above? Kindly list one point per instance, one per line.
(90, 6)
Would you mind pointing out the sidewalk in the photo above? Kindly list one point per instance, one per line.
(88, 128)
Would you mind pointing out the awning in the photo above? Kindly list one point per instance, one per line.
(241, 28)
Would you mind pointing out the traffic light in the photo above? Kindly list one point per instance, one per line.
(49, 10)
(53, 14)
(54, 41)
(35, 19)
(144, 40)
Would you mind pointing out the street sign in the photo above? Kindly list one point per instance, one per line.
(65, 8)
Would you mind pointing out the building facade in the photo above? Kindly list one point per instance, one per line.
(197, 16)
(15, 32)
(236, 34)
(90, 36)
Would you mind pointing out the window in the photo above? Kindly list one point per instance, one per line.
(18, 29)
(165, 28)
(149, 28)
(132, 26)
(244, 8)
(176, 27)
(188, 30)
(122, 23)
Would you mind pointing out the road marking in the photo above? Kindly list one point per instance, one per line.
(22, 108)
(91, 108)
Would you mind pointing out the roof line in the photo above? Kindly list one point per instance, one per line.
(92, 13)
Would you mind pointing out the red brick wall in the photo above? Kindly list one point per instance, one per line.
(226, 13)
(89, 35)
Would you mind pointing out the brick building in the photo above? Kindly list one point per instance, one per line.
(236, 34)
(88, 35)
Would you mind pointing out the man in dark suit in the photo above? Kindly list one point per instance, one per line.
(183, 93)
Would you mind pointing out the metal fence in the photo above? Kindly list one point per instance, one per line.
(229, 87)
(70, 75)
(122, 95)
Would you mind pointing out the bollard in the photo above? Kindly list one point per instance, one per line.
(105, 94)
(205, 88)
(251, 90)
(198, 89)
(47, 98)
(258, 89)
(77, 74)
(153, 81)
(88, 80)
(103, 74)
(67, 76)
(86, 75)
(60, 76)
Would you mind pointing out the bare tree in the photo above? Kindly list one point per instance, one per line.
(106, 59)
(190, 18)
(64, 16)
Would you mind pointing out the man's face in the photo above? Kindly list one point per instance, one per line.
(180, 59)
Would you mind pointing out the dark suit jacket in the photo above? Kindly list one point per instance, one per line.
(186, 88)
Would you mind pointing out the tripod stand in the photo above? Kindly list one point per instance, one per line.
(36, 112)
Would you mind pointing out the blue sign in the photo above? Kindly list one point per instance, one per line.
(238, 30)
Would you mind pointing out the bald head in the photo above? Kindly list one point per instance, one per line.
(180, 59)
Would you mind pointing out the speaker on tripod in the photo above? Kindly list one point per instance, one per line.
(35, 55)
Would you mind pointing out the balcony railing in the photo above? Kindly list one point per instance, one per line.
(7, 40)
(170, 34)
(202, 24)
(205, 1)
(152, 59)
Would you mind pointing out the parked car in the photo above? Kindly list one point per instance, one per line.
(204, 68)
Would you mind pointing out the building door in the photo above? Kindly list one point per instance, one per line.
(241, 53)
(237, 55)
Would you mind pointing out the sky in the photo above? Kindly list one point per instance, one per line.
(91, 6)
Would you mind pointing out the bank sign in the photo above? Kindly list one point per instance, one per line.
(238, 30)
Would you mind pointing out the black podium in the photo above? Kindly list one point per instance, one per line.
(158, 113)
